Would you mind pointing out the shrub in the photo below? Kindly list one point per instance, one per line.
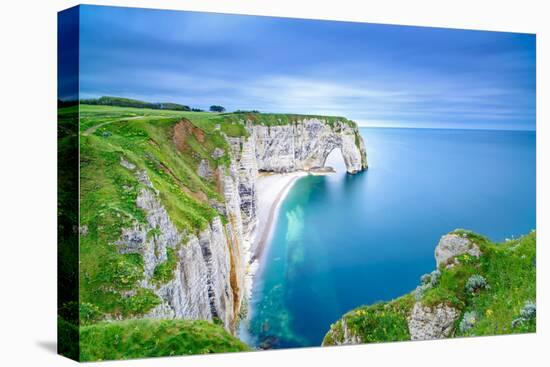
(431, 279)
(527, 313)
(468, 321)
(435, 275)
(476, 283)
(427, 281)
(141, 302)
(120, 273)
(216, 108)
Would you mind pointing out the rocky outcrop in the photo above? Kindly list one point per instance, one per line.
(244, 174)
(452, 245)
(436, 322)
(152, 239)
(186, 295)
(204, 170)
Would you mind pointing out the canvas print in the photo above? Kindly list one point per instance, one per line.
(233, 183)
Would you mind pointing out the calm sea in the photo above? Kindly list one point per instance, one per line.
(342, 241)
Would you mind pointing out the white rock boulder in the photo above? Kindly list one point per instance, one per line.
(436, 322)
(452, 245)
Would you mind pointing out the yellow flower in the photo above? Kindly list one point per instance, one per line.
(489, 313)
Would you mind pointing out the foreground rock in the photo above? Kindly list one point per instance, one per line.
(427, 323)
(452, 245)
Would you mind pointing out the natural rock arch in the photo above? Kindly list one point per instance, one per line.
(334, 159)
(349, 151)
(306, 145)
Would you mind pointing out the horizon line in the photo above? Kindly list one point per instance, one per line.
(442, 128)
(80, 98)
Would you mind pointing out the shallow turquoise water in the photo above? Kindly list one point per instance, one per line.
(342, 241)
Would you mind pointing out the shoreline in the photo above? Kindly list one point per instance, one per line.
(272, 189)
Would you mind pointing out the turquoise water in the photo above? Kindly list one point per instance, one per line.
(342, 241)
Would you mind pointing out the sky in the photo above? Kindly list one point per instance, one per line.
(376, 75)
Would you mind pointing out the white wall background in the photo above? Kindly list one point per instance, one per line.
(28, 181)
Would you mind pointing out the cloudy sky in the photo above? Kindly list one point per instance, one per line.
(377, 75)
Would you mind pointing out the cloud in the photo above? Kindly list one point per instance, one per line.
(409, 103)
(370, 73)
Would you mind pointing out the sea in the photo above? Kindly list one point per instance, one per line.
(342, 241)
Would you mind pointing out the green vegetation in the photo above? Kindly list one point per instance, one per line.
(385, 321)
(126, 102)
(509, 270)
(495, 294)
(217, 108)
(164, 272)
(109, 191)
(67, 222)
(495, 286)
(154, 338)
(275, 119)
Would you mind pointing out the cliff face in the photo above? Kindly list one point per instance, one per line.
(202, 274)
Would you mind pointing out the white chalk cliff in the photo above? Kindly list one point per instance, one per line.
(210, 280)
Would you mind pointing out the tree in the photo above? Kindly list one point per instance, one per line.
(216, 108)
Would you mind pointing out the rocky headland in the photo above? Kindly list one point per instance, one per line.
(478, 288)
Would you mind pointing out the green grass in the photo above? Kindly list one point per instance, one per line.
(165, 272)
(154, 338)
(276, 119)
(381, 322)
(509, 269)
(67, 221)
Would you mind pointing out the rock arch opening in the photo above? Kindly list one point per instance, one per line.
(335, 160)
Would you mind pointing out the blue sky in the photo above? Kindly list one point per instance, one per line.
(377, 75)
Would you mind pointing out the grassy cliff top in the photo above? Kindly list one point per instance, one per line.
(168, 148)
(154, 338)
(508, 269)
(229, 123)
(281, 119)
